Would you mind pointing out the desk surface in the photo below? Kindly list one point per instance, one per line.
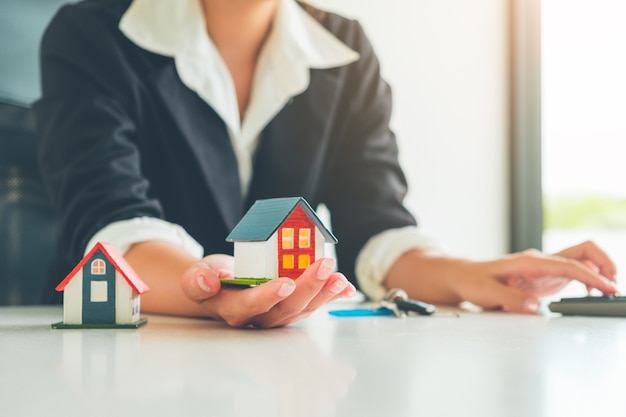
(477, 364)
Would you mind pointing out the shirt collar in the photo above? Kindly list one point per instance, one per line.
(176, 28)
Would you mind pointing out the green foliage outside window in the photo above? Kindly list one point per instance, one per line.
(584, 211)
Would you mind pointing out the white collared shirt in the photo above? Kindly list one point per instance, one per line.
(296, 44)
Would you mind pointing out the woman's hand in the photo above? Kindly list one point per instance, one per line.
(516, 282)
(276, 303)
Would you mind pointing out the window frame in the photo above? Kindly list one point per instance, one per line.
(287, 238)
(304, 236)
(98, 267)
(526, 210)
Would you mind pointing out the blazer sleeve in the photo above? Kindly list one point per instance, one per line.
(366, 187)
(87, 154)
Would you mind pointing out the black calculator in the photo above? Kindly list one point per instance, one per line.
(606, 305)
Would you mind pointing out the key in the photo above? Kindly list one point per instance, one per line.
(398, 301)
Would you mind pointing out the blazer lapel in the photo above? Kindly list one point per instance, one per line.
(293, 149)
(207, 136)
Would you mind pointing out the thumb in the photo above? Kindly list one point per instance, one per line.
(509, 298)
(200, 282)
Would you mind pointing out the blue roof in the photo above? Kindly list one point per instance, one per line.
(266, 216)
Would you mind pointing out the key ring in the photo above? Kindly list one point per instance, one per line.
(399, 302)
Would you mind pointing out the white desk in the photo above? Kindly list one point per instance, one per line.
(486, 364)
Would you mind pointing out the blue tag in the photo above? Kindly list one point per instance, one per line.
(359, 312)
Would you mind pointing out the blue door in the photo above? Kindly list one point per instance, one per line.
(98, 290)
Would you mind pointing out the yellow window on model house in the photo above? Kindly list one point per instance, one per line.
(304, 236)
(304, 261)
(288, 261)
(287, 238)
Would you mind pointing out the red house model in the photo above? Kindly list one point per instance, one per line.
(278, 237)
(102, 291)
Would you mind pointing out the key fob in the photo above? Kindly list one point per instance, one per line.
(397, 300)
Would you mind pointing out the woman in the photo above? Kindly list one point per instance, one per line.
(161, 122)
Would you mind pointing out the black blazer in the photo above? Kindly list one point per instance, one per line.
(121, 136)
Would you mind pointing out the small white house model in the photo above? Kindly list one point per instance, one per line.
(102, 291)
(277, 237)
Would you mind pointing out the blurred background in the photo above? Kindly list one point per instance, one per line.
(448, 64)
(584, 124)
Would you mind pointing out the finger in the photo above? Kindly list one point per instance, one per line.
(532, 266)
(539, 287)
(308, 286)
(238, 307)
(595, 269)
(200, 282)
(499, 295)
(337, 286)
(590, 252)
(578, 271)
(349, 292)
(222, 265)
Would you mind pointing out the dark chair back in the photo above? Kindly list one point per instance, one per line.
(27, 221)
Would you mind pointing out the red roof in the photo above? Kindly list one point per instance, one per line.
(117, 260)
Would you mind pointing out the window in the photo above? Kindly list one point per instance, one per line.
(98, 267)
(287, 238)
(304, 261)
(288, 261)
(304, 238)
(583, 129)
(99, 292)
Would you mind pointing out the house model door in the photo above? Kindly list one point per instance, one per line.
(98, 290)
